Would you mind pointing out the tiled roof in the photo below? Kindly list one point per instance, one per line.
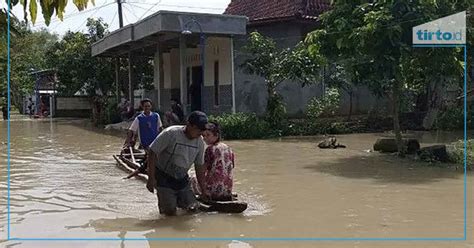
(265, 10)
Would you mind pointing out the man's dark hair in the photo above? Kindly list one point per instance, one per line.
(199, 119)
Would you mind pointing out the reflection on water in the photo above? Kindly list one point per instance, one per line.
(64, 184)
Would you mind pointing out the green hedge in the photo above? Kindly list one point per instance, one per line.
(249, 126)
(243, 126)
(322, 126)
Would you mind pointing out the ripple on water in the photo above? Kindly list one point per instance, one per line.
(238, 244)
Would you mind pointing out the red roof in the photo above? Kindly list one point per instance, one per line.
(267, 10)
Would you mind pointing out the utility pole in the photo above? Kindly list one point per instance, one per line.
(119, 3)
(117, 59)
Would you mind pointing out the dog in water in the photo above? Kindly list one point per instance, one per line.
(330, 143)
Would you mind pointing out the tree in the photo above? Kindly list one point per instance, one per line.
(342, 77)
(27, 50)
(373, 39)
(276, 65)
(48, 8)
(78, 71)
(14, 25)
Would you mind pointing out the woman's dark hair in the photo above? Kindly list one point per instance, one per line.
(215, 129)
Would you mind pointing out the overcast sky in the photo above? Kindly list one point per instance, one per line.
(133, 10)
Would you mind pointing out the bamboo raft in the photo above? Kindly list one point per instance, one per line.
(129, 162)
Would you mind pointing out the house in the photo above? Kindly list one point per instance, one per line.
(179, 42)
(45, 101)
(192, 58)
(44, 93)
(287, 22)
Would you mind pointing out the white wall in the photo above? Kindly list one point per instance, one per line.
(166, 71)
(217, 48)
(72, 103)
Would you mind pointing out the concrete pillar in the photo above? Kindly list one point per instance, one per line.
(130, 80)
(117, 79)
(157, 75)
(232, 73)
(182, 71)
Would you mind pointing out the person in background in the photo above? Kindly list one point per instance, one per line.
(176, 115)
(123, 109)
(147, 125)
(30, 107)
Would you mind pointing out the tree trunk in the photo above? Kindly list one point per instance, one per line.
(271, 96)
(435, 100)
(97, 110)
(275, 108)
(396, 121)
(351, 94)
(16, 97)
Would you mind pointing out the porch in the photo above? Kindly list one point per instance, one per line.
(192, 57)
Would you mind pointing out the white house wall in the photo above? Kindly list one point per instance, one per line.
(217, 49)
(166, 71)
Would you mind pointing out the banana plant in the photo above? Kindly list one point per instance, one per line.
(48, 8)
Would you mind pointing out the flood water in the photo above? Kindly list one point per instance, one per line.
(64, 184)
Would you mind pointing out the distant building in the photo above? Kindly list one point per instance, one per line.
(287, 22)
(46, 103)
(44, 93)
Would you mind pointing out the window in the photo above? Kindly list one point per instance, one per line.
(216, 83)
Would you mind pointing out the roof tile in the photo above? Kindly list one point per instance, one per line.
(259, 10)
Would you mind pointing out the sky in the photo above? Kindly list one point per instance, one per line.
(133, 10)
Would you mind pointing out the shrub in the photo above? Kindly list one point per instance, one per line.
(243, 126)
(112, 114)
(323, 106)
(321, 126)
(453, 118)
(276, 112)
(457, 155)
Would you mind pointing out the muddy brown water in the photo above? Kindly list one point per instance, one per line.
(64, 184)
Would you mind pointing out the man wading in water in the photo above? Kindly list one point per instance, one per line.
(148, 126)
(171, 155)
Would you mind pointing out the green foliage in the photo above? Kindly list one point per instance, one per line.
(243, 126)
(77, 69)
(457, 155)
(266, 58)
(26, 55)
(453, 119)
(322, 126)
(371, 40)
(276, 65)
(276, 111)
(4, 14)
(48, 8)
(111, 112)
(326, 105)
